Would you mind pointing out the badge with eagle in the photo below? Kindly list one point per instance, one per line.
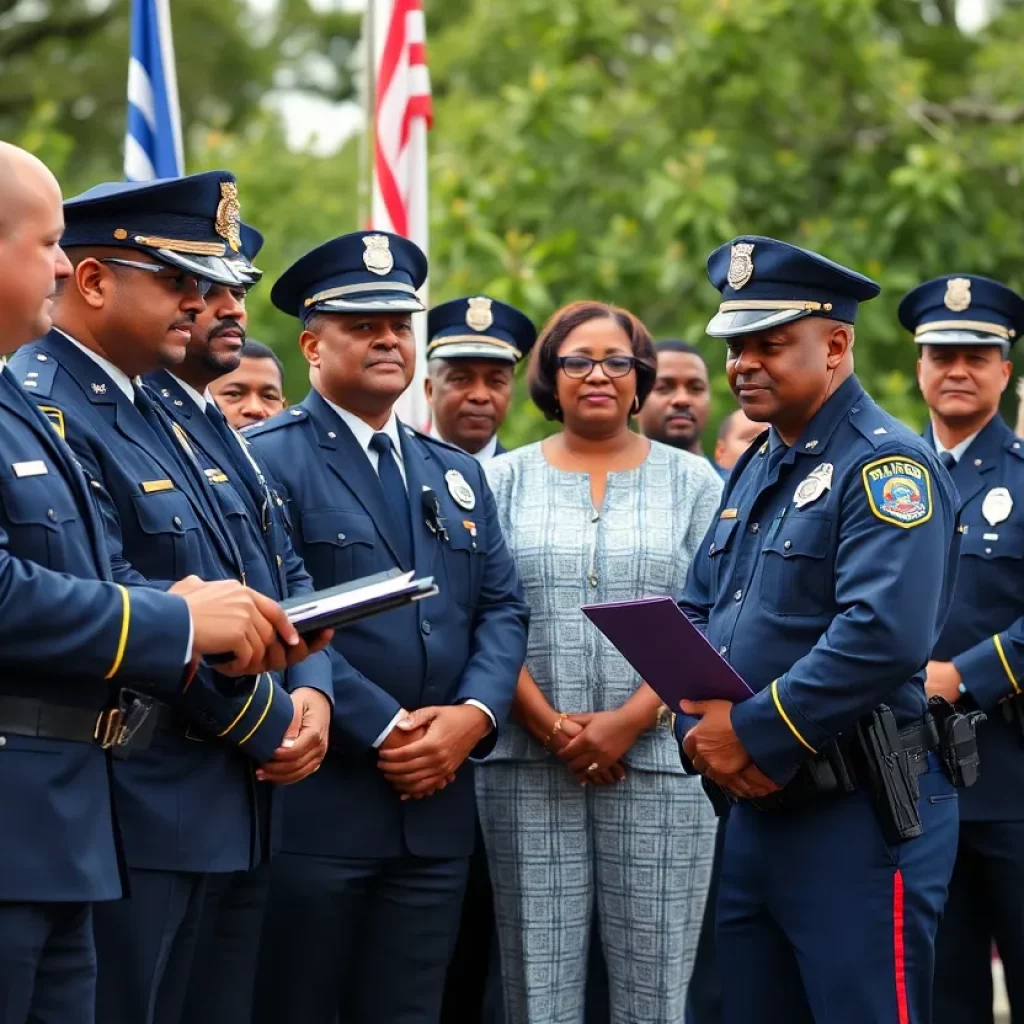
(741, 265)
(229, 216)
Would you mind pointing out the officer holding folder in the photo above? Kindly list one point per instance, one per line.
(824, 583)
(376, 845)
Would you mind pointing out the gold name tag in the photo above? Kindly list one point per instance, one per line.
(729, 513)
(152, 486)
(34, 468)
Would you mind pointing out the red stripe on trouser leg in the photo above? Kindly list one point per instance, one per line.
(902, 1014)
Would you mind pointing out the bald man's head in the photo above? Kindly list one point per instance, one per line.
(31, 260)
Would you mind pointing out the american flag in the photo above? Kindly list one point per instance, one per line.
(403, 114)
(152, 142)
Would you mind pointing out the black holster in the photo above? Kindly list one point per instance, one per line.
(958, 740)
(137, 724)
(890, 775)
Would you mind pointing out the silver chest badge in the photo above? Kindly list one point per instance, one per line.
(818, 481)
(460, 490)
(997, 506)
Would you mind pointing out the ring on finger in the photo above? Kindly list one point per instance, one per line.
(593, 767)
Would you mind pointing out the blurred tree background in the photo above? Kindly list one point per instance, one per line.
(591, 148)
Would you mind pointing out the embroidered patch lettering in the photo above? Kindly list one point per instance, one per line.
(899, 491)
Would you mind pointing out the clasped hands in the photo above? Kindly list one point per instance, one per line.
(425, 749)
(717, 753)
(600, 738)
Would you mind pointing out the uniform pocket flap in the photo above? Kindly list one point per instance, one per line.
(336, 526)
(165, 512)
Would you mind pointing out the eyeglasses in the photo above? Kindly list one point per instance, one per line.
(579, 367)
(181, 281)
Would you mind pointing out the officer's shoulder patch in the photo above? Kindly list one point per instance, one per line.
(899, 490)
(55, 416)
(288, 418)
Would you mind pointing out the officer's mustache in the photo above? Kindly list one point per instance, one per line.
(228, 325)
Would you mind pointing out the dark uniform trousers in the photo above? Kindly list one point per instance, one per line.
(825, 582)
(984, 638)
(68, 637)
(186, 804)
(367, 890)
(221, 983)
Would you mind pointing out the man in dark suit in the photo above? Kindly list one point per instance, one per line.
(365, 896)
(473, 348)
(143, 257)
(69, 638)
(221, 984)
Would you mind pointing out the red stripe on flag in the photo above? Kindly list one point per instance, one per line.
(902, 1014)
(417, 54)
(392, 196)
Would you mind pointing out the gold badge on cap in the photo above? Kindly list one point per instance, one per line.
(997, 506)
(460, 490)
(378, 258)
(817, 482)
(741, 265)
(229, 215)
(479, 315)
(958, 294)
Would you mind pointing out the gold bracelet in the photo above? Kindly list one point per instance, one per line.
(557, 727)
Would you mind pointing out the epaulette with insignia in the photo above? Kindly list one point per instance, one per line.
(38, 377)
(283, 419)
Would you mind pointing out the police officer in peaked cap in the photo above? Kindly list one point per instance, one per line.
(823, 582)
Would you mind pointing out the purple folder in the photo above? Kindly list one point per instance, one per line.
(672, 656)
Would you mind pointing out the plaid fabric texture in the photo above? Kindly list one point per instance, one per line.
(642, 849)
(639, 544)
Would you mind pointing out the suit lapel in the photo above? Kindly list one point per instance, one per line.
(347, 460)
(19, 404)
(980, 458)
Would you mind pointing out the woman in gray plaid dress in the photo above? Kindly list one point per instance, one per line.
(584, 800)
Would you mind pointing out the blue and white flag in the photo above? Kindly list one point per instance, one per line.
(152, 142)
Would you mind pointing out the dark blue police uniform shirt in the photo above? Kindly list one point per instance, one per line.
(184, 804)
(68, 636)
(984, 632)
(826, 578)
(467, 643)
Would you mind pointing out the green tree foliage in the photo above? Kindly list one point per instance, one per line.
(597, 148)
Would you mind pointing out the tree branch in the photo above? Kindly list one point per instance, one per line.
(967, 109)
(15, 42)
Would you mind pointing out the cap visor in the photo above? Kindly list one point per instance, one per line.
(396, 302)
(960, 338)
(746, 321)
(472, 350)
(213, 268)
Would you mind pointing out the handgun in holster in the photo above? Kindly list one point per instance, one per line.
(892, 779)
(958, 741)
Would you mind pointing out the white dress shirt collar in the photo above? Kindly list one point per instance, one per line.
(957, 450)
(119, 377)
(484, 455)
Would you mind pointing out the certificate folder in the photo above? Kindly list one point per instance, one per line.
(671, 654)
(359, 599)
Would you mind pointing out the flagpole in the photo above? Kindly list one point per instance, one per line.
(365, 192)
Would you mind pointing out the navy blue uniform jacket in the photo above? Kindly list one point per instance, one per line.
(187, 803)
(68, 636)
(468, 642)
(984, 632)
(827, 600)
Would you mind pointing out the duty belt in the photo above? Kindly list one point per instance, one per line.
(839, 768)
(26, 716)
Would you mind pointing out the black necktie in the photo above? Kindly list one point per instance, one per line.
(396, 494)
(947, 459)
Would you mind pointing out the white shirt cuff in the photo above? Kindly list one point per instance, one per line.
(485, 709)
(387, 731)
(191, 639)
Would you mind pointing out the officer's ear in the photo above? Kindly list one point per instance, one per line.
(309, 343)
(840, 342)
(94, 281)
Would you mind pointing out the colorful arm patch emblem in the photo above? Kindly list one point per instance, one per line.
(899, 491)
